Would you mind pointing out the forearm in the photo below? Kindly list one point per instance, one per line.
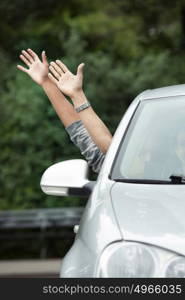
(94, 125)
(62, 106)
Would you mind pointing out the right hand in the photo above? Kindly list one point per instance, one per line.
(67, 82)
(37, 69)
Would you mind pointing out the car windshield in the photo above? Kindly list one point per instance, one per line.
(154, 145)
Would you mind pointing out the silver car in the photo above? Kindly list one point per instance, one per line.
(134, 222)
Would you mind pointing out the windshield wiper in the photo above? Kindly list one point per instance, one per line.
(174, 179)
(177, 179)
(144, 181)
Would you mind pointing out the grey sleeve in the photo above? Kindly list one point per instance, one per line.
(81, 138)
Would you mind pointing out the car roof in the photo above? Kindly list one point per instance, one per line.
(167, 91)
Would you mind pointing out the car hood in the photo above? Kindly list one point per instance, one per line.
(152, 214)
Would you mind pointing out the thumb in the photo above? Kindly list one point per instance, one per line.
(80, 70)
(44, 58)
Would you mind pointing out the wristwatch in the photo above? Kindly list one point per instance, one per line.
(82, 107)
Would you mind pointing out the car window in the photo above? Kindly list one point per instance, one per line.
(154, 145)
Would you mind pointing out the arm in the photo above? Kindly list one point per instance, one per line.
(63, 108)
(71, 85)
(38, 71)
(75, 128)
(94, 125)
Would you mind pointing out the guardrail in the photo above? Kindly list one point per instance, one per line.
(40, 218)
(42, 227)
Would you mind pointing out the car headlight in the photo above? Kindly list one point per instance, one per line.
(176, 268)
(134, 260)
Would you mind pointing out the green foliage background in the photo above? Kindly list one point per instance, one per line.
(127, 47)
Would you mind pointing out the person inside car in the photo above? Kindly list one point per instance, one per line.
(85, 128)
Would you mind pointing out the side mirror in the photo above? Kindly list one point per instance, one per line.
(67, 178)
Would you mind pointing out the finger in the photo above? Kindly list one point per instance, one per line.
(22, 68)
(61, 64)
(80, 70)
(44, 58)
(57, 68)
(28, 56)
(53, 79)
(32, 53)
(25, 60)
(54, 72)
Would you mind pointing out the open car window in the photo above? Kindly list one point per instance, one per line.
(154, 145)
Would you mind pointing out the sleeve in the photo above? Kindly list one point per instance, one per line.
(81, 138)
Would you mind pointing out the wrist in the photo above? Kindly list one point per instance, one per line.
(78, 98)
(45, 82)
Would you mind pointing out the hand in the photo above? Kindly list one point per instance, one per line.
(66, 81)
(38, 70)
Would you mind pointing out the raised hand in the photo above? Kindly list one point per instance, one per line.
(66, 81)
(37, 69)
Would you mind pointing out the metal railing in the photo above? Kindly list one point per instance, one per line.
(42, 225)
(40, 218)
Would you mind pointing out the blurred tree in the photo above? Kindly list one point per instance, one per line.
(127, 46)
